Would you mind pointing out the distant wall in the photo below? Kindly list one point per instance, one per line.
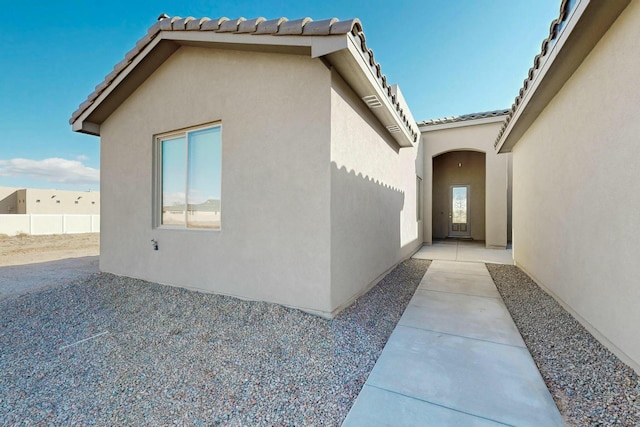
(8, 200)
(61, 202)
(12, 224)
(38, 201)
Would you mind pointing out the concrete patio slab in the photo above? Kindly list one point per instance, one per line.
(477, 317)
(464, 250)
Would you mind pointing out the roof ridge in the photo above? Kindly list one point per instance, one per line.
(464, 117)
(554, 30)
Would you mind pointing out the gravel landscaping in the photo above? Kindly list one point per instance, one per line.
(590, 385)
(110, 350)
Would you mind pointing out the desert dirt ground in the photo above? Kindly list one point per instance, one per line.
(26, 249)
(30, 263)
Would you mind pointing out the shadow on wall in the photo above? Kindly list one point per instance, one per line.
(365, 231)
(9, 204)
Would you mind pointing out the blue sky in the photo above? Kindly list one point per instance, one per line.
(449, 58)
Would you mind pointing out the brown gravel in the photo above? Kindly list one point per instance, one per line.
(27, 249)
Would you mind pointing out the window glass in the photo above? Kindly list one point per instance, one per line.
(190, 168)
(204, 179)
(174, 165)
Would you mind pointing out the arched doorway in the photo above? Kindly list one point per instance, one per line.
(459, 195)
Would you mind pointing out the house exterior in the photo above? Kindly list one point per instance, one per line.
(39, 201)
(459, 158)
(271, 160)
(574, 134)
(289, 127)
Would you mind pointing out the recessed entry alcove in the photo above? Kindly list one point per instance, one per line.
(459, 195)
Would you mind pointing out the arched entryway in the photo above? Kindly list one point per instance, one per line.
(459, 188)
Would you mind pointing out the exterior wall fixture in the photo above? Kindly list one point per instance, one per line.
(154, 244)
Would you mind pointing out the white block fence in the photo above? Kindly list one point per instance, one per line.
(49, 224)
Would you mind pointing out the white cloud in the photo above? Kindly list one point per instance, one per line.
(170, 199)
(82, 157)
(53, 170)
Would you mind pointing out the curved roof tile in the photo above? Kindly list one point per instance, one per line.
(465, 117)
(256, 26)
(294, 27)
(250, 26)
(554, 30)
(270, 27)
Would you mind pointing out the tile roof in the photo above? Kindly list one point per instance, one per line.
(465, 117)
(259, 27)
(554, 31)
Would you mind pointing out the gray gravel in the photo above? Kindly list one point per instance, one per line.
(109, 350)
(590, 385)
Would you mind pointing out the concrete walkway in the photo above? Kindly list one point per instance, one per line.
(455, 359)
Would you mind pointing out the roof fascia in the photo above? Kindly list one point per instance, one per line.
(316, 46)
(82, 123)
(462, 123)
(588, 22)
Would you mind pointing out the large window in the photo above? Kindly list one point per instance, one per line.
(188, 175)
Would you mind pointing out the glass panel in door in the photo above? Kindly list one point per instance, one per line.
(459, 211)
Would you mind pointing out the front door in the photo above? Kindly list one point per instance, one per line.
(459, 211)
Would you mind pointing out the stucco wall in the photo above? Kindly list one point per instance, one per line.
(62, 202)
(14, 224)
(274, 242)
(39, 201)
(474, 136)
(8, 200)
(446, 173)
(373, 197)
(576, 191)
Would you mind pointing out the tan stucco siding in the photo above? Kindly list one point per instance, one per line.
(576, 191)
(274, 242)
(38, 201)
(474, 137)
(62, 202)
(8, 200)
(373, 196)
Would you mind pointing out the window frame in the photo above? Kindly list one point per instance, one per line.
(419, 198)
(157, 176)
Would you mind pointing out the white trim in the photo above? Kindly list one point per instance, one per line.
(156, 215)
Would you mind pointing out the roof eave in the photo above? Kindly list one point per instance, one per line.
(363, 79)
(588, 22)
(165, 43)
